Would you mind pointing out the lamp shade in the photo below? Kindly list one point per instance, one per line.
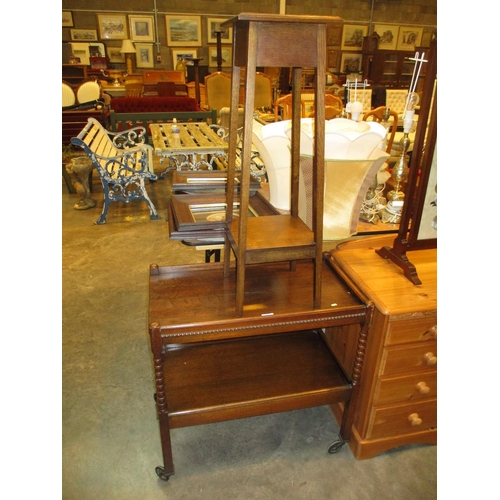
(127, 47)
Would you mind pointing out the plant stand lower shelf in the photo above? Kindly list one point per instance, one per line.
(212, 366)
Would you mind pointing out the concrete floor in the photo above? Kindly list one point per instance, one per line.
(111, 441)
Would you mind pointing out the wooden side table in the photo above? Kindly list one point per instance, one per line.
(274, 41)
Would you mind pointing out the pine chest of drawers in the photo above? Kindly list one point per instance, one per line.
(398, 391)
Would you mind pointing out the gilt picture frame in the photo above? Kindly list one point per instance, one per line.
(142, 28)
(227, 57)
(114, 55)
(213, 24)
(112, 26)
(81, 35)
(352, 36)
(409, 37)
(183, 31)
(388, 36)
(144, 55)
(178, 54)
(67, 18)
(351, 62)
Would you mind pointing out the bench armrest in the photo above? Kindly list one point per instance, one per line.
(129, 138)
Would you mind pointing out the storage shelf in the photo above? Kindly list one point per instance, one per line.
(213, 381)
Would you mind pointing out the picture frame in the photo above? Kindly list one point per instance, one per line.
(112, 26)
(206, 214)
(144, 55)
(97, 50)
(81, 51)
(409, 37)
(213, 24)
(351, 62)
(67, 18)
(114, 55)
(83, 35)
(227, 57)
(142, 28)
(352, 36)
(183, 31)
(332, 58)
(388, 36)
(334, 35)
(183, 53)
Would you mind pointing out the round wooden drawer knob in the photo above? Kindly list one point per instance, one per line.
(423, 388)
(434, 332)
(415, 419)
(430, 359)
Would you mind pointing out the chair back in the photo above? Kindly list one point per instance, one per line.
(377, 115)
(68, 95)
(166, 89)
(285, 103)
(263, 91)
(364, 96)
(333, 107)
(218, 91)
(88, 92)
(274, 74)
(396, 100)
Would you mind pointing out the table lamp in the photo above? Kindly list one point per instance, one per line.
(394, 208)
(128, 49)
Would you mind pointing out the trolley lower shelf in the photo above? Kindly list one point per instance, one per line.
(214, 381)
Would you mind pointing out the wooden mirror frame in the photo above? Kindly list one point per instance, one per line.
(422, 161)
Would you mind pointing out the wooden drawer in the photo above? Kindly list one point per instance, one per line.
(404, 419)
(416, 329)
(404, 360)
(406, 389)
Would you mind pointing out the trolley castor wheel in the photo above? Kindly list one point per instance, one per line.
(160, 472)
(336, 446)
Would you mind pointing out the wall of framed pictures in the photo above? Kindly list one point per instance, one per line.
(171, 34)
(160, 40)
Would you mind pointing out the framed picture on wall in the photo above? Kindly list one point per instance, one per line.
(409, 37)
(112, 26)
(67, 18)
(81, 51)
(388, 36)
(351, 63)
(142, 28)
(183, 31)
(332, 58)
(213, 25)
(144, 55)
(114, 54)
(178, 54)
(227, 56)
(333, 35)
(352, 36)
(83, 35)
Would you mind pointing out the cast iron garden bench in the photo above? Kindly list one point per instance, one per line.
(123, 160)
